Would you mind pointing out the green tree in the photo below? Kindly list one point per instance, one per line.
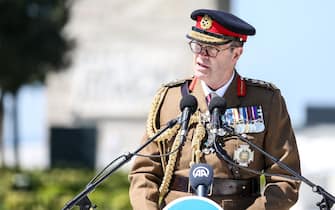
(32, 43)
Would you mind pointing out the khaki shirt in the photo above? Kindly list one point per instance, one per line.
(277, 139)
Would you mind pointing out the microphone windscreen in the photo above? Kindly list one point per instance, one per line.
(189, 101)
(217, 102)
(201, 174)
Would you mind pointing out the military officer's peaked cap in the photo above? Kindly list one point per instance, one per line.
(219, 27)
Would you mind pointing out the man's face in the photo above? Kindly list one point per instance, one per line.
(215, 71)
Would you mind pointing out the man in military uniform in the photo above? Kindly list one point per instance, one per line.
(255, 109)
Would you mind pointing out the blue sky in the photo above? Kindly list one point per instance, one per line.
(33, 115)
(293, 48)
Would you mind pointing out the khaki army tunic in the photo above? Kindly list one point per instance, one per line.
(152, 178)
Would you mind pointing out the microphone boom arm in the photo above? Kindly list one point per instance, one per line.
(328, 199)
(82, 198)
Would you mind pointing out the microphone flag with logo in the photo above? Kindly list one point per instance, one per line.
(201, 177)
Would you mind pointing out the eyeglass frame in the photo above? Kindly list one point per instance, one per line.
(202, 47)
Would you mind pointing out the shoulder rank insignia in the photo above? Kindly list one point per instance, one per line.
(247, 119)
(243, 155)
(260, 83)
(175, 83)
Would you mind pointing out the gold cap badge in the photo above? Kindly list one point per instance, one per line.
(206, 22)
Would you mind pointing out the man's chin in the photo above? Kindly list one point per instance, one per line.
(201, 77)
(199, 74)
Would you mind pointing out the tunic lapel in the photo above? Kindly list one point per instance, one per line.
(231, 94)
(200, 95)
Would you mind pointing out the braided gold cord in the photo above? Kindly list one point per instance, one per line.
(199, 134)
(194, 118)
(161, 141)
(168, 134)
(161, 148)
(151, 121)
(163, 189)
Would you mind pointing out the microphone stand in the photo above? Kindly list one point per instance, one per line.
(83, 201)
(328, 200)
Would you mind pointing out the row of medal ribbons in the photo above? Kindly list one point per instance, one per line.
(248, 119)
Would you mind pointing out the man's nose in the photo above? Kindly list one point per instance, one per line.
(204, 51)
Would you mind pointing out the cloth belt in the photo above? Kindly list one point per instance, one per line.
(221, 187)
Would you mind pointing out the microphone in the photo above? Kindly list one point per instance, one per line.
(217, 108)
(188, 105)
(201, 177)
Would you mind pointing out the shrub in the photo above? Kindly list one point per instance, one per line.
(52, 189)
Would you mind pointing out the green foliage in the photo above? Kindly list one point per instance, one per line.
(32, 41)
(54, 188)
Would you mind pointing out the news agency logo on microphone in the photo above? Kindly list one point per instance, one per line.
(200, 174)
(200, 171)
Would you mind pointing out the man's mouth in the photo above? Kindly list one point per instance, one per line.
(202, 65)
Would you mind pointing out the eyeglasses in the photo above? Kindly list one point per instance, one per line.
(209, 50)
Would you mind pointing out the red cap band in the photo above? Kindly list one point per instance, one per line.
(219, 29)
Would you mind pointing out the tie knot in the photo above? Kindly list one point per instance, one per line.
(213, 94)
(210, 96)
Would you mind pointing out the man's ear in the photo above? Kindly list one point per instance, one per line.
(237, 53)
